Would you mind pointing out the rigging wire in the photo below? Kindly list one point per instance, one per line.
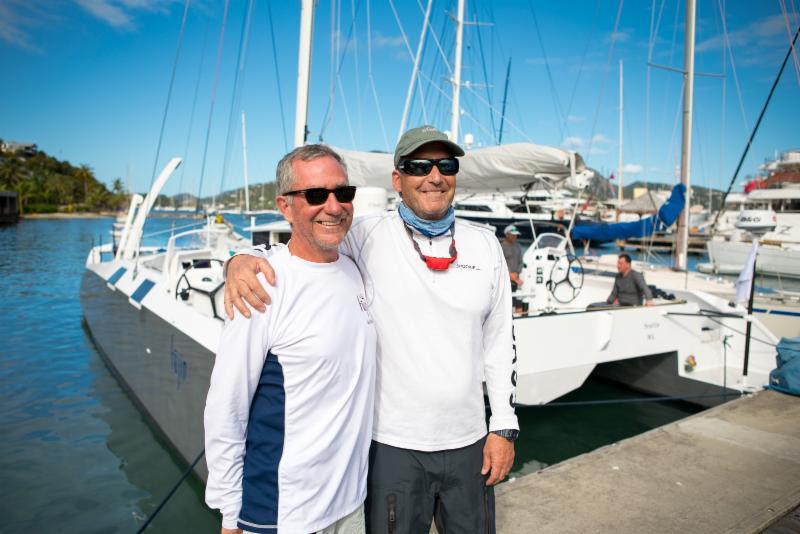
(485, 73)
(336, 79)
(755, 128)
(494, 110)
(238, 78)
(436, 41)
(795, 61)
(372, 79)
(553, 92)
(214, 86)
(438, 113)
(171, 85)
(359, 117)
(346, 112)
(277, 77)
(410, 54)
(589, 42)
(605, 79)
(727, 44)
(194, 106)
(183, 477)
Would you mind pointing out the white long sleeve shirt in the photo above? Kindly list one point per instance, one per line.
(288, 416)
(440, 333)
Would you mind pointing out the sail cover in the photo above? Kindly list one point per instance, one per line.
(499, 168)
(667, 214)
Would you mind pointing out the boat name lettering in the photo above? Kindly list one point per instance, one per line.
(652, 325)
(178, 365)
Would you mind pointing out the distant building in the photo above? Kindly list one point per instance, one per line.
(23, 149)
(9, 210)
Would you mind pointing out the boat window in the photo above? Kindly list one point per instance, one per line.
(789, 205)
(471, 207)
(521, 209)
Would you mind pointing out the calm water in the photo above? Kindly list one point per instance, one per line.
(75, 454)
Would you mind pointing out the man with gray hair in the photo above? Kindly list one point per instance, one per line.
(442, 312)
(288, 417)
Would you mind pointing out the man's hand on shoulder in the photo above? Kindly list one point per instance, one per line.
(242, 285)
(231, 530)
(498, 457)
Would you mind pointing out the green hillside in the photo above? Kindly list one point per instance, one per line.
(45, 184)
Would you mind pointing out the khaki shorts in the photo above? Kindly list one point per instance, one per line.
(349, 524)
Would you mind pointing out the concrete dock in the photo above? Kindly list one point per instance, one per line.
(733, 468)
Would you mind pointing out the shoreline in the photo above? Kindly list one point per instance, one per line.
(81, 215)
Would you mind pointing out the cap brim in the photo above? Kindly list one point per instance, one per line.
(454, 148)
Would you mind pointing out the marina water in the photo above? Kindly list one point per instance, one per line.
(77, 455)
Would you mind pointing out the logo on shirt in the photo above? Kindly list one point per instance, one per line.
(465, 266)
(362, 303)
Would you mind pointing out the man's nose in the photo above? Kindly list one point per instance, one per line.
(435, 176)
(332, 205)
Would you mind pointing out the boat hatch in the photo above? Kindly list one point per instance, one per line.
(114, 278)
(143, 289)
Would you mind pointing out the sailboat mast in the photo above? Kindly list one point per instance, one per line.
(303, 70)
(456, 109)
(620, 165)
(244, 163)
(682, 244)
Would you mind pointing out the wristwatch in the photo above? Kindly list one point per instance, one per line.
(510, 434)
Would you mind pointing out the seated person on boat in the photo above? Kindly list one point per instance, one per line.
(630, 289)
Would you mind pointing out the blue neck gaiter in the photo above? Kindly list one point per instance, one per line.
(424, 226)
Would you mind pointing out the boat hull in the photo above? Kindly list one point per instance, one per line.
(729, 257)
(165, 371)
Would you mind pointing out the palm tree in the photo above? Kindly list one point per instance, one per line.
(12, 173)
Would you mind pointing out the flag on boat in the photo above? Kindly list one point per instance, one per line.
(745, 280)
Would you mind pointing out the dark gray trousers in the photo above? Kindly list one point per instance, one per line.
(407, 489)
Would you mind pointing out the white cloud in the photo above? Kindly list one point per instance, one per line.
(107, 11)
(621, 36)
(387, 41)
(19, 17)
(759, 33)
(575, 118)
(600, 138)
(572, 142)
(120, 13)
(632, 168)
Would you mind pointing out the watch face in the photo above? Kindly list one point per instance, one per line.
(509, 434)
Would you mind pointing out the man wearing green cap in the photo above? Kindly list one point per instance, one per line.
(438, 291)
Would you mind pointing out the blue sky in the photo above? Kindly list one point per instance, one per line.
(87, 80)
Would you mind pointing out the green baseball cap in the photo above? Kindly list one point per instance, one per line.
(416, 137)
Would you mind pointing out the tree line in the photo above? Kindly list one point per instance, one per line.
(45, 184)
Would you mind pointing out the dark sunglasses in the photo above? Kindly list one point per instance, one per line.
(319, 195)
(423, 167)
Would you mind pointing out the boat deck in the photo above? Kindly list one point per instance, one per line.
(733, 468)
(664, 243)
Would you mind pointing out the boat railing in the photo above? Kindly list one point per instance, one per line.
(207, 242)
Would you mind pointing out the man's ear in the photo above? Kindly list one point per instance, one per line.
(283, 205)
(396, 180)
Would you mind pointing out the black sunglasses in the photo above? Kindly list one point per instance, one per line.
(319, 195)
(423, 167)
